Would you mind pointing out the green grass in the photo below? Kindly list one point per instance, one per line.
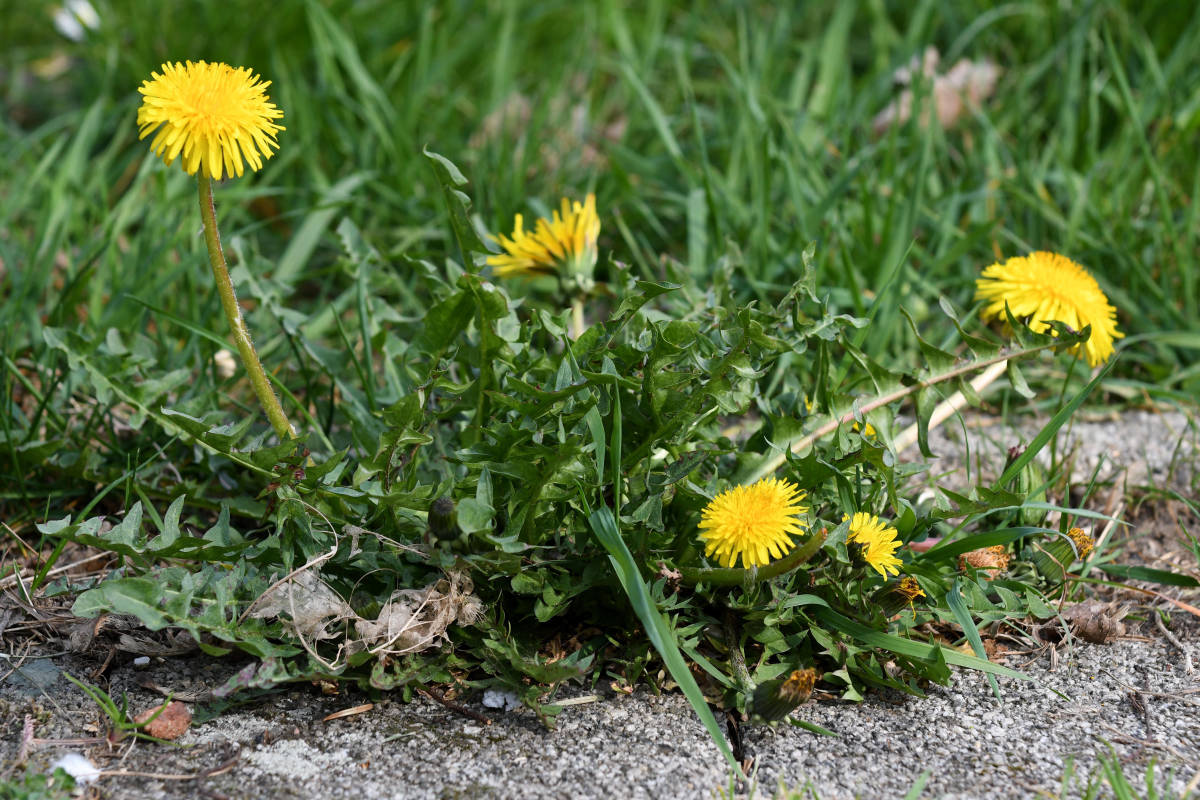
(744, 136)
(761, 248)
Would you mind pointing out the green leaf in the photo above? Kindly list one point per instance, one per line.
(645, 292)
(457, 204)
(908, 647)
(306, 238)
(1136, 573)
(1057, 421)
(474, 516)
(657, 629)
(962, 615)
(138, 597)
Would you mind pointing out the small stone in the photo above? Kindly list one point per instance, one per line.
(170, 724)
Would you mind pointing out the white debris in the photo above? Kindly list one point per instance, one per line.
(141, 661)
(497, 699)
(73, 19)
(225, 363)
(78, 767)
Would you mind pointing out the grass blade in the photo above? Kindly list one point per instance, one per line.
(657, 629)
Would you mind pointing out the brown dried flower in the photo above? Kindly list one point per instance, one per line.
(991, 561)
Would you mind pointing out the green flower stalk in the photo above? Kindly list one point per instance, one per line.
(212, 116)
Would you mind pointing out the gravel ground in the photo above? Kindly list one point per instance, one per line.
(1132, 695)
(653, 747)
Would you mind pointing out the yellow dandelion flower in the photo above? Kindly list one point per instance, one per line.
(562, 245)
(1044, 287)
(212, 115)
(878, 543)
(754, 522)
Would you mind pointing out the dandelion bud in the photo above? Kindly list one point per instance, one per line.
(443, 520)
(775, 699)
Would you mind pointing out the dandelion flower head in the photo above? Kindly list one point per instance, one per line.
(565, 244)
(877, 541)
(753, 522)
(211, 116)
(1044, 287)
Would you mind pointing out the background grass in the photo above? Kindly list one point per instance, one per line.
(720, 138)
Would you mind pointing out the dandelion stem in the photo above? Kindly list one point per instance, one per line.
(576, 317)
(737, 658)
(233, 313)
(733, 576)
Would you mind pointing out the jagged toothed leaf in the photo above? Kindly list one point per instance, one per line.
(979, 347)
(450, 178)
(936, 359)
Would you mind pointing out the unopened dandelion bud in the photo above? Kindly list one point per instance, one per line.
(775, 699)
(443, 520)
(1030, 484)
(989, 561)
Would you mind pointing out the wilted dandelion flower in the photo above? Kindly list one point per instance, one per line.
(895, 595)
(877, 542)
(1084, 544)
(989, 561)
(776, 698)
(212, 115)
(753, 522)
(1044, 287)
(563, 245)
(909, 588)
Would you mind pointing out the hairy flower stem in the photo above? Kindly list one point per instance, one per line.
(233, 313)
(737, 659)
(733, 576)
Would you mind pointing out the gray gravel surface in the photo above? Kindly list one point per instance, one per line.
(653, 747)
(1132, 696)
